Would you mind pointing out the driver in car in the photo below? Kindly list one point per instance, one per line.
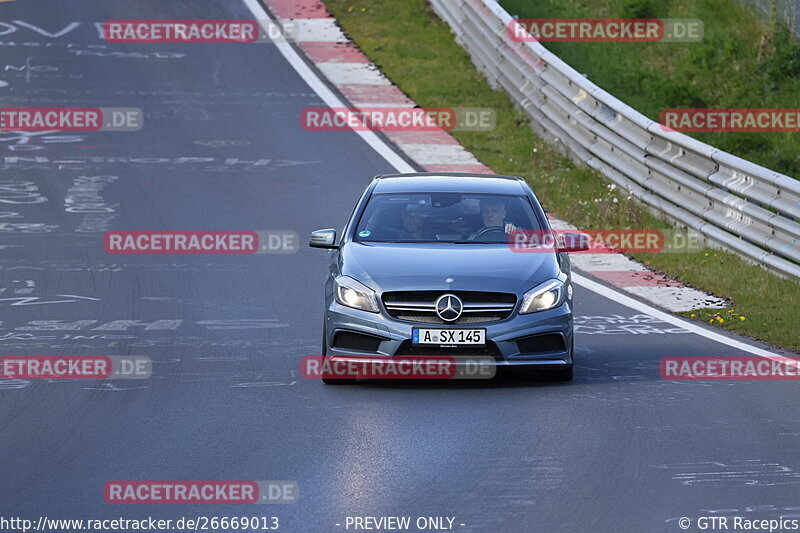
(493, 215)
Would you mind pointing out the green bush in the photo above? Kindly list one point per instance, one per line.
(645, 9)
(784, 64)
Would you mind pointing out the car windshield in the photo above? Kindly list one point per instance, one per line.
(445, 217)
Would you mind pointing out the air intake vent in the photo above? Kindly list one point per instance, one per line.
(348, 340)
(551, 342)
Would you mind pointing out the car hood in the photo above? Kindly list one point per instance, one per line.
(486, 267)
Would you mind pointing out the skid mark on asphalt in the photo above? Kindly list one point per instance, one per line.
(81, 266)
(755, 472)
(255, 384)
(110, 387)
(537, 477)
(238, 366)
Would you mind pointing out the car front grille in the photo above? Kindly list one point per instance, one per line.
(420, 306)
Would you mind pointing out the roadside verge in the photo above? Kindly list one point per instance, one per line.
(417, 51)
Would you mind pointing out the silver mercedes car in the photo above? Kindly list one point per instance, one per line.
(426, 266)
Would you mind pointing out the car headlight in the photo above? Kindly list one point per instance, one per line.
(543, 297)
(353, 294)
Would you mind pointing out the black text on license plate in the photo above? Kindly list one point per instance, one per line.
(449, 336)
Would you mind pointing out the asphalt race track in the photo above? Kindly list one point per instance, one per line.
(618, 449)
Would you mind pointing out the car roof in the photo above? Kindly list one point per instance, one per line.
(423, 182)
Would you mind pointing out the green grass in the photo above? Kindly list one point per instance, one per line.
(416, 50)
(742, 62)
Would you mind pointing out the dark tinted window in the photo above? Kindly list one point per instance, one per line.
(444, 217)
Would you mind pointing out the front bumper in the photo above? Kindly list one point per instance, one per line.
(501, 336)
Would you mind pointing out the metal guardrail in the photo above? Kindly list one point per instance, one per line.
(778, 11)
(733, 203)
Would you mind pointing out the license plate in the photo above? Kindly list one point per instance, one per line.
(451, 337)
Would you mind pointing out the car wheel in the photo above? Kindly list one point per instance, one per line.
(328, 381)
(565, 374)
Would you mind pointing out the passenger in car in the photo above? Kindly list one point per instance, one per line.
(413, 223)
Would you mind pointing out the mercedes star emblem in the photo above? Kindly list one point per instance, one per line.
(449, 307)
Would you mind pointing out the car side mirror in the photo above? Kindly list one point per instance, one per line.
(572, 242)
(323, 238)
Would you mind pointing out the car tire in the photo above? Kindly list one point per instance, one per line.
(565, 374)
(562, 374)
(324, 340)
(327, 381)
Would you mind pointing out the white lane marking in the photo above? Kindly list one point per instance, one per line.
(627, 301)
(387, 153)
(325, 93)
